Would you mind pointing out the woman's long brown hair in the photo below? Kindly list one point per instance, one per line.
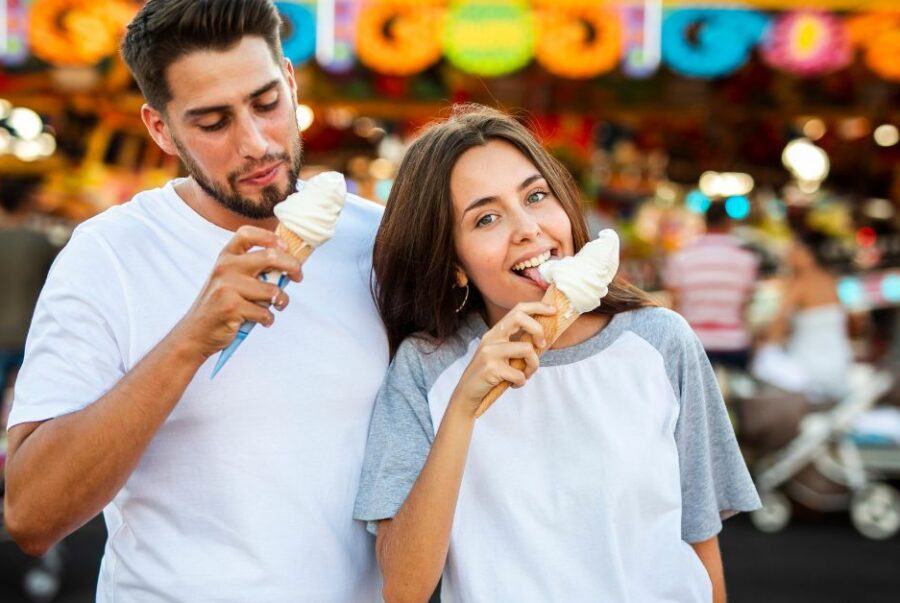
(414, 257)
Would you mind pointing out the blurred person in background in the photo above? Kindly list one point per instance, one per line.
(711, 281)
(806, 348)
(238, 489)
(25, 257)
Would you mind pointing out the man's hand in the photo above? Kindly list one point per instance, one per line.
(233, 293)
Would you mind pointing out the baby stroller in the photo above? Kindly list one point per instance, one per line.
(806, 454)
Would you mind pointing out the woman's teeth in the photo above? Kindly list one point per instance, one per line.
(531, 263)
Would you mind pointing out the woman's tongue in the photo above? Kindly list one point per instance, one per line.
(533, 274)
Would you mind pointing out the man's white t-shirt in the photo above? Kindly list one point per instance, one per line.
(246, 492)
(588, 483)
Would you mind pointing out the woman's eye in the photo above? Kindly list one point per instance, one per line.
(535, 197)
(485, 220)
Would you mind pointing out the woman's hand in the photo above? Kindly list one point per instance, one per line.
(500, 345)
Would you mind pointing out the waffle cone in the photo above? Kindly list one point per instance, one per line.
(554, 326)
(297, 247)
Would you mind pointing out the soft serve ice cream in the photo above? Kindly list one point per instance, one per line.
(312, 212)
(584, 277)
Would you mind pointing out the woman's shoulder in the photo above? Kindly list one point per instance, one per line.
(658, 318)
(664, 329)
(431, 355)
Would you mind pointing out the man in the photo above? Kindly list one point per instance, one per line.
(711, 281)
(234, 489)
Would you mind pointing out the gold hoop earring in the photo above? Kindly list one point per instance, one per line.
(465, 299)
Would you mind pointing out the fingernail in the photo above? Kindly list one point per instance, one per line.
(282, 245)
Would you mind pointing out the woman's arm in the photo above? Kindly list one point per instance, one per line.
(709, 554)
(412, 547)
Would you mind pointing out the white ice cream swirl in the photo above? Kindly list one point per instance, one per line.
(584, 278)
(312, 212)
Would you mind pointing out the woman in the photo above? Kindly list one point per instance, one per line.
(806, 349)
(604, 477)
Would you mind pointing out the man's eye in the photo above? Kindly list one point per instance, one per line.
(269, 106)
(213, 127)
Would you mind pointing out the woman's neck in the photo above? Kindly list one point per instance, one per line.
(582, 329)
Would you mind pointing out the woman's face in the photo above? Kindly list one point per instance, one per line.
(504, 218)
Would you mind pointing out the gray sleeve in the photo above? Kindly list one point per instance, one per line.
(715, 482)
(400, 437)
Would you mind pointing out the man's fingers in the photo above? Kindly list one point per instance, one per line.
(248, 237)
(257, 291)
(256, 262)
(257, 313)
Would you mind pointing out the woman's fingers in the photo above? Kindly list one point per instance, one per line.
(520, 319)
(500, 354)
(516, 377)
(532, 362)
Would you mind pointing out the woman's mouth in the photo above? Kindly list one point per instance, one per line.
(528, 269)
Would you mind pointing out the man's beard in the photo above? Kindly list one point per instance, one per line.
(270, 195)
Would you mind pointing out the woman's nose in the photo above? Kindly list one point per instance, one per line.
(526, 227)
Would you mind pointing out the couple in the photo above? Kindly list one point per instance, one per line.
(605, 478)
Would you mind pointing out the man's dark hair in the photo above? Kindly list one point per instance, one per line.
(164, 31)
(716, 216)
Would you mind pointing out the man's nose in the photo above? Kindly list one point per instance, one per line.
(251, 138)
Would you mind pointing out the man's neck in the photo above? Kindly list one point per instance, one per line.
(212, 211)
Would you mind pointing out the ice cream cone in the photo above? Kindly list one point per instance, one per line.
(553, 325)
(297, 247)
(306, 220)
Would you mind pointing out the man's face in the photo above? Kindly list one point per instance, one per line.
(232, 120)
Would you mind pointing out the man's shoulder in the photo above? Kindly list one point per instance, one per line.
(361, 214)
(120, 219)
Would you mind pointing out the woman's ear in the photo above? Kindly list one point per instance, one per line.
(461, 279)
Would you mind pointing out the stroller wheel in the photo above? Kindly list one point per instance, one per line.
(875, 511)
(775, 513)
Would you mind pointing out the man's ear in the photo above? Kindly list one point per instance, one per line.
(158, 129)
(291, 79)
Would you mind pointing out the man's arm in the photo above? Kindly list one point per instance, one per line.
(709, 554)
(63, 471)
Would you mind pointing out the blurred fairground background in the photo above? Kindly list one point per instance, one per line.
(784, 114)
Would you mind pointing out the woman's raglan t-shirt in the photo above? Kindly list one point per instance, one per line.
(588, 483)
